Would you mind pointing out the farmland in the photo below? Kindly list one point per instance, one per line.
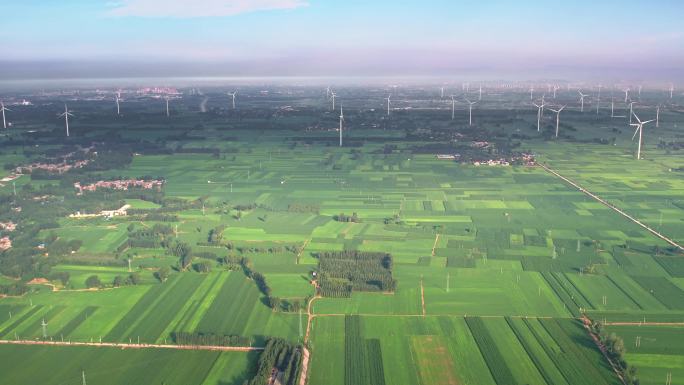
(427, 270)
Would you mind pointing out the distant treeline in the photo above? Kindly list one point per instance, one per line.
(209, 339)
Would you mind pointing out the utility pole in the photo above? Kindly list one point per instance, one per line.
(447, 282)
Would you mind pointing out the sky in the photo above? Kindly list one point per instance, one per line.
(485, 38)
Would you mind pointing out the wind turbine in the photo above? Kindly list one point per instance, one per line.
(233, 94)
(555, 88)
(539, 110)
(470, 112)
(442, 92)
(118, 107)
(453, 107)
(598, 99)
(480, 95)
(626, 91)
(66, 114)
(167, 106)
(3, 109)
(333, 95)
(341, 122)
(658, 116)
(327, 92)
(531, 92)
(631, 111)
(640, 129)
(582, 96)
(558, 111)
(388, 103)
(671, 90)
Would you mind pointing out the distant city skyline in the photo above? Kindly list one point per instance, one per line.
(490, 38)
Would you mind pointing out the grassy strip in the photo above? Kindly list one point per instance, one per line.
(490, 351)
(76, 321)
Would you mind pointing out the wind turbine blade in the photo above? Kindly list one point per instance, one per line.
(638, 126)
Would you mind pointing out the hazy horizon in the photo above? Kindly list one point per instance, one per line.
(493, 39)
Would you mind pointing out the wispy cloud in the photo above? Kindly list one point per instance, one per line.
(201, 8)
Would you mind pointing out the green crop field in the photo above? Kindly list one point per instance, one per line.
(391, 265)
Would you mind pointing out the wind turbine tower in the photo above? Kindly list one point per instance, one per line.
(167, 107)
(341, 124)
(388, 103)
(582, 96)
(639, 129)
(118, 107)
(233, 94)
(558, 111)
(66, 114)
(470, 112)
(3, 109)
(453, 107)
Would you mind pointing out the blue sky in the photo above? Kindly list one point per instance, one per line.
(351, 37)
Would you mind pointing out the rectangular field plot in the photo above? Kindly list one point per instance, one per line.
(65, 365)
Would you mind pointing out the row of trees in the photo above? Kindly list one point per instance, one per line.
(615, 348)
(209, 339)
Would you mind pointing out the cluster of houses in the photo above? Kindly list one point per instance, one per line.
(58, 168)
(120, 184)
(8, 178)
(5, 243)
(120, 212)
(526, 159)
(9, 226)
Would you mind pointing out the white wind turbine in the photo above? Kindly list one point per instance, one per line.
(531, 92)
(388, 103)
(558, 111)
(626, 91)
(3, 109)
(480, 95)
(631, 111)
(167, 106)
(333, 95)
(539, 113)
(66, 114)
(582, 96)
(341, 123)
(598, 99)
(639, 129)
(671, 90)
(658, 116)
(453, 107)
(233, 94)
(555, 88)
(118, 107)
(470, 112)
(442, 92)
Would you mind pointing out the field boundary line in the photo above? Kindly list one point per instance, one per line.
(133, 346)
(422, 295)
(644, 324)
(435, 244)
(613, 207)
